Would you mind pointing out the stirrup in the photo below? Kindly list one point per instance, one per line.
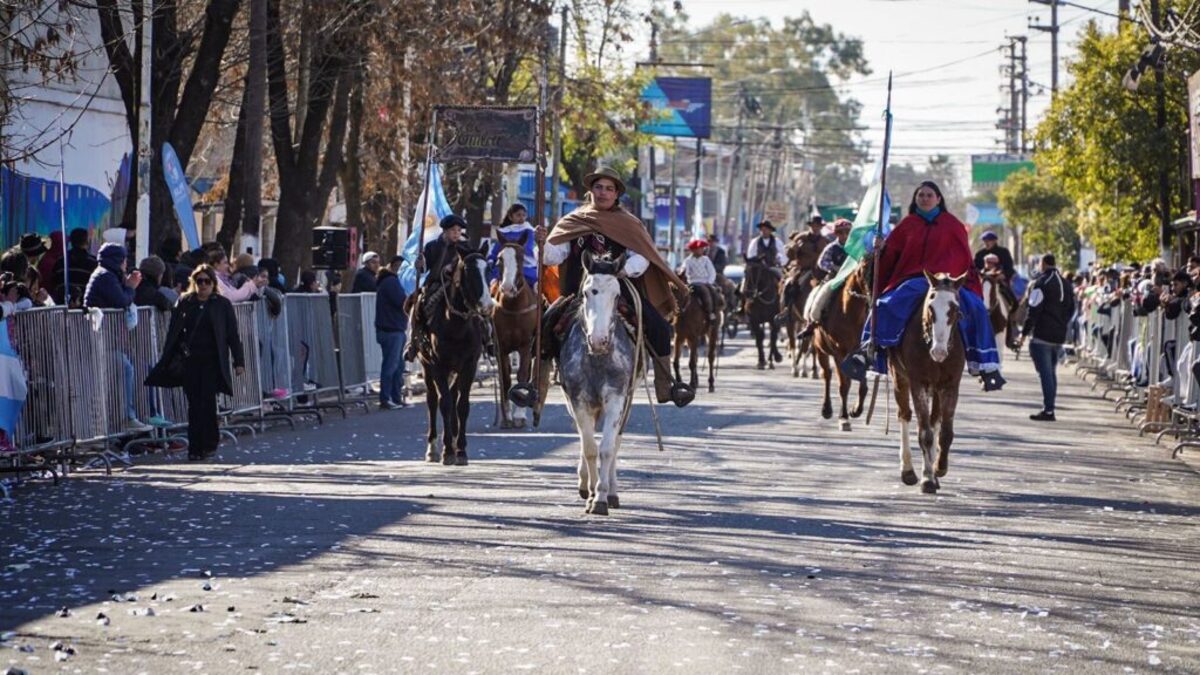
(682, 394)
(855, 366)
(993, 380)
(523, 395)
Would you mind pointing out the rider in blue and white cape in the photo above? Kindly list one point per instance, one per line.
(510, 230)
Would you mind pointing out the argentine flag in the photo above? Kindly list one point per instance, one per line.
(863, 235)
(439, 207)
(13, 387)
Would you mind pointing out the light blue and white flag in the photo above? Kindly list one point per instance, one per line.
(867, 224)
(439, 207)
(13, 386)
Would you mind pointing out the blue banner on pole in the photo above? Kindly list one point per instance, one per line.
(685, 105)
(180, 195)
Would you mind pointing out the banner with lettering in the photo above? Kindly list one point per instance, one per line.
(505, 134)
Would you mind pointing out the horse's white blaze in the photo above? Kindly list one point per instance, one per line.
(485, 298)
(508, 271)
(600, 294)
(942, 303)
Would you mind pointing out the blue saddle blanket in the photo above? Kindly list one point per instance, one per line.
(896, 307)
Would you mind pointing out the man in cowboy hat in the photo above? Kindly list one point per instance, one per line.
(701, 276)
(827, 267)
(33, 247)
(603, 227)
(766, 248)
(440, 256)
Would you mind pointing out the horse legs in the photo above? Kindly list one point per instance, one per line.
(862, 397)
(776, 357)
(921, 404)
(505, 368)
(949, 402)
(793, 348)
(589, 475)
(711, 350)
(462, 386)
(610, 428)
(447, 405)
(827, 374)
(614, 502)
(693, 356)
(431, 403)
(678, 352)
(759, 336)
(904, 414)
(524, 374)
(844, 383)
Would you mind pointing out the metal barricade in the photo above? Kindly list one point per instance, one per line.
(45, 422)
(358, 355)
(173, 400)
(311, 338)
(247, 388)
(275, 363)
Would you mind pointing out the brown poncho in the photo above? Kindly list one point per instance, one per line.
(625, 229)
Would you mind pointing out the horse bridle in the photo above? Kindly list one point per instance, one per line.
(927, 318)
(757, 295)
(520, 283)
(456, 288)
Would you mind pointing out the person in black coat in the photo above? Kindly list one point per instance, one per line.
(364, 278)
(204, 329)
(1051, 305)
(991, 246)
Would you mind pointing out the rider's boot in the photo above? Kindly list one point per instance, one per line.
(666, 388)
(416, 332)
(809, 329)
(992, 380)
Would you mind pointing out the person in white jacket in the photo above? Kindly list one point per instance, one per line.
(767, 248)
(701, 275)
(247, 291)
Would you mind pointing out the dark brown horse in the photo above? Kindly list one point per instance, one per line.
(794, 290)
(760, 305)
(515, 321)
(450, 359)
(839, 336)
(927, 367)
(691, 328)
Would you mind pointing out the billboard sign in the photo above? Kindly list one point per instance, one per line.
(684, 104)
(989, 171)
(505, 134)
(1194, 122)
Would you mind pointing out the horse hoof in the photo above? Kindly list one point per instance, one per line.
(447, 458)
(777, 357)
(711, 388)
(827, 412)
(598, 508)
(908, 477)
(505, 424)
(795, 373)
(519, 424)
(943, 466)
(761, 365)
(432, 458)
(614, 502)
(929, 487)
(584, 494)
(844, 425)
(460, 459)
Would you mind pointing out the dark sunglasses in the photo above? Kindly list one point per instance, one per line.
(204, 281)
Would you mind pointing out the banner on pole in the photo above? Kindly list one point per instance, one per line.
(685, 104)
(180, 195)
(504, 134)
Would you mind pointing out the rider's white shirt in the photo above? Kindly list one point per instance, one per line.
(699, 270)
(635, 263)
(780, 255)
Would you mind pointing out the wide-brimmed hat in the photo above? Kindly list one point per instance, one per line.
(32, 244)
(604, 172)
(767, 224)
(697, 244)
(816, 219)
(842, 225)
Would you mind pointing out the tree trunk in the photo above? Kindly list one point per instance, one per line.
(351, 174)
(254, 109)
(235, 192)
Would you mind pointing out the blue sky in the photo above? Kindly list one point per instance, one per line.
(946, 56)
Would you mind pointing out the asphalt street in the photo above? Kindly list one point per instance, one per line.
(763, 540)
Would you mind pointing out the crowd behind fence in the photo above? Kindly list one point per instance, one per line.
(85, 370)
(1137, 337)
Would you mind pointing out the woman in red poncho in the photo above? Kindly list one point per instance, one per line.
(930, 239)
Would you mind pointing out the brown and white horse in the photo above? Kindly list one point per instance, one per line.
(691, 328)
(1000, 312)
(514, 319)
(927, 367)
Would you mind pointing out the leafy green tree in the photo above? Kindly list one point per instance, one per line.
(1037, 203)
(785, 76)
(1100, 142)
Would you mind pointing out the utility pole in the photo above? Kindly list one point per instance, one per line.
(1160, 118)
(1024, 60)
(735, 164)
(1009, 122)
(1052, 29)
(1123, 12)
(555, 201)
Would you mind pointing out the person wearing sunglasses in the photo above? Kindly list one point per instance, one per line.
(203, 334)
